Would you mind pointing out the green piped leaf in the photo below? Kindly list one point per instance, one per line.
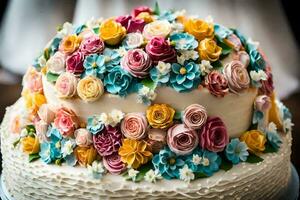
(156, 10)
(177, 115)
(149, 83)
(226, 165)
(217, 65)
(200, 175)
(51, 77)
(270, 149)
(33, 157)
(252, 158)
(16, 142)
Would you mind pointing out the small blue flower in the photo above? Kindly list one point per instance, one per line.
(257, 117)
(256, 60)
(222, 32)
(274, 139)
(167, 163)
(79, 29)
(94, 124)
(184, 41)
(112, 59)
(54, 45)
(67, 147)
(118, 81)
(236, 151)
(185, 78)
(158, 77)
(168, 15)
(94, 65)
(45, 153)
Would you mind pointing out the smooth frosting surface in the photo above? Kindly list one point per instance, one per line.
(24, 180)
(235, 110)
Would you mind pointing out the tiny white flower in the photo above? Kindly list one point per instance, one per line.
(177, 27)
(181, 59)
(188, 54)
(93, 23)
(151, 176)
(116, 116)
(180, 12)
(205, 161)
(209, 19)
(23, 133)
(287, 125)
(96, 170)
(186, 174)
(163, 67)
(67, 29)
(257, 76)
(196, 159)
(42, 61)
(122, 51)
(147, 92)
(252, 42)
(105, 119)
(132, 173)
(272, 127)
(67, 148)
(205, 67)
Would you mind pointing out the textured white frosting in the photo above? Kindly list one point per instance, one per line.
(235, 110)
(36, 180)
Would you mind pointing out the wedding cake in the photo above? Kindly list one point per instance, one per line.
(151, 105)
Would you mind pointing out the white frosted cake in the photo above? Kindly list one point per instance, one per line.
(151, 105)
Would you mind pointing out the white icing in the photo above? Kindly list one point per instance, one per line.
(234, 110)
(37, 180)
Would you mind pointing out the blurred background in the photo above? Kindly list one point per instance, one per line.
(26, 26)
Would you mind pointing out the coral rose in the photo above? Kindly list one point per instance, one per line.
(134, 126)
(83, 137)
(66, 121)
(194, 116)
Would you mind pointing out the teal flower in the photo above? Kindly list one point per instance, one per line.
(222, 32)
(257, 117)
(256, 60)
(167, 163)
(184, 41)
(273, 139)
(203, 161)
(236, 151)
(160, 74)
(185, 78)
(94, 124)
(168, 15)
(94, 65)
(79, 29)
(67, 147)
(118, 81)
(112, 59)
(45, 152)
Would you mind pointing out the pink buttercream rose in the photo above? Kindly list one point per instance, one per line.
(91, 44)
(242, 56)
(194, 116)
(56, 63)
(41, 129)
(83, 137)
(136, 11)
(213, 135)
(262, 103)
(234, 42)
(33, 80)
(267, 86)
(66, 85)
(134, 126)
(216, 83)
(135, 25)
(66, 121)
(160, 50)
(181, 139)
(108, 141)
(137, 63)
(46, 113)
(74, 62)
(124, 20)
(114, 164)
(156, 139)
(237, 76)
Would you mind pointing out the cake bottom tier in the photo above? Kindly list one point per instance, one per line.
(36, 180)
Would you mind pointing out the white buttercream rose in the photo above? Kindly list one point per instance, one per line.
(56, 64)
(159, 28)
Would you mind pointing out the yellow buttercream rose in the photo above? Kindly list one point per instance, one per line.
(147, 17)
(135, 153)
(199, 28)
(33, 100)
(209, 50)
(112, 32)
(274, 115)
(31, 145)
(160, 116)
(85, 155)
(90, 88)
(255, 140)
(70, 43)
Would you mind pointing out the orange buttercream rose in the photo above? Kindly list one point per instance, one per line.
(70, 43)
(85, 155)
(33, 100)
(199, 28)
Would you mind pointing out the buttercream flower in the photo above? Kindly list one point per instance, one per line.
(160, 50)
(85, 155)
(146, 95)
(95, 65)
(156, 139)
(273, 138)
(65, 121)
(33, 100)
(182, 140)
(115, 117)
(152, 176)
(257, 62)
(147, 17)
(255, 141)
(209, 50)
(31, 145)
(124, 20)
(186, 174)
(90, 88)
(112, 32)
(216, 83)
(108, 141)
(184, 41)
(46, 114)
(137, 63)
(236, 151)
(213, 135)
(41, 128)
(96, 170)
(168, 163)
(56, 63)
(135, 153)
(95, 123)
(33, 80)
(112, 59)
(237, 76)
(194, 116)
(113, 163)
(83, 137)
(160, 116)
(199, 28)
(262, 103)
(160, 73)
(74, 63)
(267, 86)
(234, 42)
(133, 40)
(118, 82)
(91, 44)
(135, 25)
(16, 124)
(69, 44)
(134, 126)
(66, 85)
(159, 28)
(140, 9)
(242, 56)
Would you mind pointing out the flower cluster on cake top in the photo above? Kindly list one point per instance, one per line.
(137, 53)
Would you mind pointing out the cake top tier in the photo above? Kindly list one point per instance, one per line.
(150, 48)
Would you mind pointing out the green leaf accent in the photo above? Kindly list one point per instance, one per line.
(30, 129)
(142, 171)
(96, 30)
(252, 158)
(51, 77)
(217, 64)
(59, 27)
(16, 142)
(200, 175)
(33, 157)
(47, 54)
(270, 149)
(156, 10)
(149, 83)
(226, 165)
(177, 115)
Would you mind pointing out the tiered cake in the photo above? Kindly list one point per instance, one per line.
(151, 105)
